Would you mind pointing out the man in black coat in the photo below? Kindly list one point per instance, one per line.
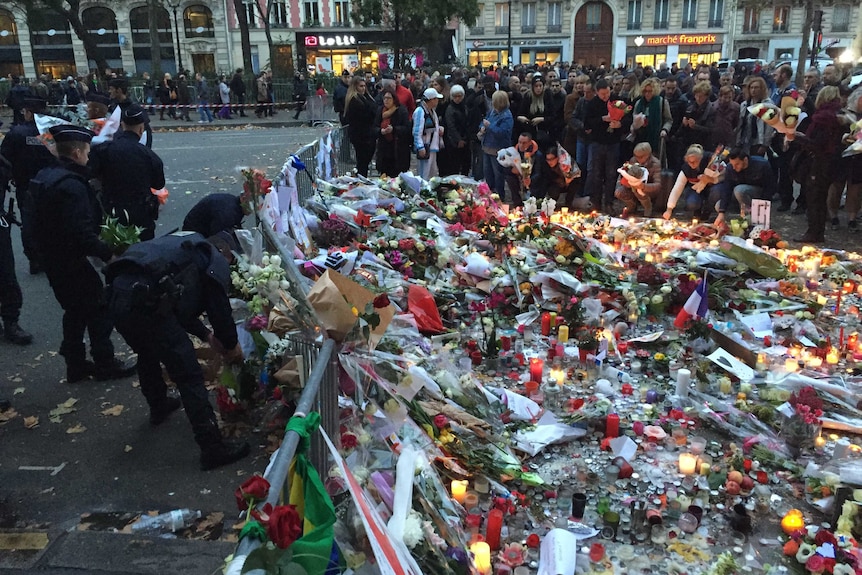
(128, 171)
(15, 98)
(604, 148)
(158, 290)
(26, 153)
(339, 94)
(478, 106)
(66, 225)
(237, 88)
(215, 213)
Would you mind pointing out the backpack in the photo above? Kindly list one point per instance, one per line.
(168, 272)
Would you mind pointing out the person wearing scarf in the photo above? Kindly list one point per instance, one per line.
(658, 119)
(392, 129)
(822, 141)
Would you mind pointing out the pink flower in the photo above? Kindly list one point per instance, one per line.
(440, 421)
(815, 564)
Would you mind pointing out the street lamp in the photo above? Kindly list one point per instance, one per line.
(174, 4)
(509, 39)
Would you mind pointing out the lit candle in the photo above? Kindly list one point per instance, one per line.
(537, 366)
(793, 522)
(558, 375)
(687, 463)
(815, 362)
(832, 356)
(481, 557)
(819, 441)
(705, 468)
(791, 365)
(563, 334)
(459, 490)
(494, 528)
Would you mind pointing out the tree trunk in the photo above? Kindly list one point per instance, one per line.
(155, 42)
(72, 14)
(805, 50)
(397, 45)
(245, 40)
(267, 30)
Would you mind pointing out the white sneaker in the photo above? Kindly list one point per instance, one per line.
(202, 122)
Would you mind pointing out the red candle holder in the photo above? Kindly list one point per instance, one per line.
(537, 368)
(476, 356)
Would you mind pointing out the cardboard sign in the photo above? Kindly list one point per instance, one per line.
(760, 212)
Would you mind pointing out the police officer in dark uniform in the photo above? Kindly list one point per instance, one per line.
(118, 90)
(157, 291)
(66, 229)
(23, 149)
(11, 298)
(215, 213)
(128, 170)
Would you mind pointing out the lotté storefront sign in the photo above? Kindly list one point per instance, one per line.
(330, 41)
(678, 39)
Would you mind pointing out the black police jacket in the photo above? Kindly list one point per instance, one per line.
(67, 215)
(24, 150)
(214, 213)
(127, 170)
(183, 270)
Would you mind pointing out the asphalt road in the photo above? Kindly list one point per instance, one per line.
(90, 462)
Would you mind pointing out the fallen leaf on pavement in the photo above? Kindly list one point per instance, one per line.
(77, 429)
(18, 391)
(128, 448)
(7, 415)
(67, 406)
(31, 422)
(115, 411)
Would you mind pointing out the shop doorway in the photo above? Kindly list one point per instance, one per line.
(594, 34)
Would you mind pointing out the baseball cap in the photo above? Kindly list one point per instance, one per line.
(431, 94)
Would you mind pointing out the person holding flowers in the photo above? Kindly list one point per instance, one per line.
(699, 190)
(604, 148)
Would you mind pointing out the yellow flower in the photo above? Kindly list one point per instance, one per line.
(355, 311)
(536, 233)
(445, 437)
(659, 356)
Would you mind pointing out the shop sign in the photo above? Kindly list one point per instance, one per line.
(329, 41)
(682, 40)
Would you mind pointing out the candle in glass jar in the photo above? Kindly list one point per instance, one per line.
(481, 557)
(791, 364)
(832, 356)
(612, 425)
(537, 366)
(459, 490)
(495, 526)
(687, 463)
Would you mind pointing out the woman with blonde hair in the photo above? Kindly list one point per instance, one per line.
(822, 142)
(699, 191)
(359, 112)
(753, 135)
(495, 133)
(657, 119)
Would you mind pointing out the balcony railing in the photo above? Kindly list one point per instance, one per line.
(688, 24)
(501, 29)
(661, 25)
(528, 29)
(716, 23)
(782, 29)
(477, 30)
(633, 26)
(557, 28)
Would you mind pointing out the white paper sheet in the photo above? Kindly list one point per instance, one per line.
(558, 553)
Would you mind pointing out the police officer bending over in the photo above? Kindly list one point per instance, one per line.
(158, 289)
(215, 213)
(66, 229)
(128, 170)
(23, 148)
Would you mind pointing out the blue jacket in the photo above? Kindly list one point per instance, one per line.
(498, 134)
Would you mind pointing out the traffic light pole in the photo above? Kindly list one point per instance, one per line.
(817, 37)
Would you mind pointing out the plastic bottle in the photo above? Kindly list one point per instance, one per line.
(172, 521)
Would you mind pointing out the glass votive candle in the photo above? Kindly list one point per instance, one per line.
(696, 445)
(471, 500)
(658, 534)
(680, 436)
(687, 522)
(611, 520)
(612, 472)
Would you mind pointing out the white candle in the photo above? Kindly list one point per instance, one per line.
(683, 379)
(687, 463)
(481, 557)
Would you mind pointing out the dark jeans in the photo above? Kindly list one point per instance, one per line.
(477, 157)
(602, 173)
(781, 165)
(25, 204)
(816, 190)
(79, 291)
(240, 107)
(10, 292)
(159, 339)
(364, 152)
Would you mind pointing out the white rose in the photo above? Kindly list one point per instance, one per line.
(657, 299)
(393, 244)
(665, 289)
(275, 260)
(264, 261)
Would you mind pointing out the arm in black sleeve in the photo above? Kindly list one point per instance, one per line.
(401, 124)
(158, 171)
(217, 305)
(79, 221)
(197, 328)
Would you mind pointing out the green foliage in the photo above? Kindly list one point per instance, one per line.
(273, 560)
(119, 236)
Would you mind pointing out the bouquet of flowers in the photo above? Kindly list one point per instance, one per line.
(802, 426)
(717, 165)
(254, 187)
(119, 236)
(819, 550)
(633, 174)
(258, 284)
(766, 238)
(617, 110)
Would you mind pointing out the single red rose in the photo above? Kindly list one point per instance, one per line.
(256, 488)
(440, 421)
(762, 477)
(825, 536)
(830, 564)
(815, 564)
(349, 440)
(533, 541)
(284, 526)
(382, 300)
(406, 244)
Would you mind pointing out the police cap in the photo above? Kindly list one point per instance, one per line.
(34, 103)
(134, 115)
(98, 98)
(70, 133)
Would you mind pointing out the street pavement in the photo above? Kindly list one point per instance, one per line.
(66, 484)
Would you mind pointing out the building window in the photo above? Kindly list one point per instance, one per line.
(310, 14)
(198, 22)
(278, 15)
(840, 18)
(501, 18)
(342, 13)
(594, 16)
(662, 11)
(478, 27)
(250, 12)
(751, 21)
(635, 15)
(528, 18)
(716, 13)
(689, 14)
(555, 14)
(781, 19)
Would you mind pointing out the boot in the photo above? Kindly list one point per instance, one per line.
(79, 370)
(159, 414)
(114, 369)
(647, 204)
(14, 334)
(223, 453)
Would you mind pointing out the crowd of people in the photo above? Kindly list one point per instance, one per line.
(153, 292)
(458, 122)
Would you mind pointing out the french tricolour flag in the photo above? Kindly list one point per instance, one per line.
(696, 307)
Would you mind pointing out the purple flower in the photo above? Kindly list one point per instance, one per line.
(258, 323)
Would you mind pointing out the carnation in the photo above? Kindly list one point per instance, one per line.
(413, 534)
